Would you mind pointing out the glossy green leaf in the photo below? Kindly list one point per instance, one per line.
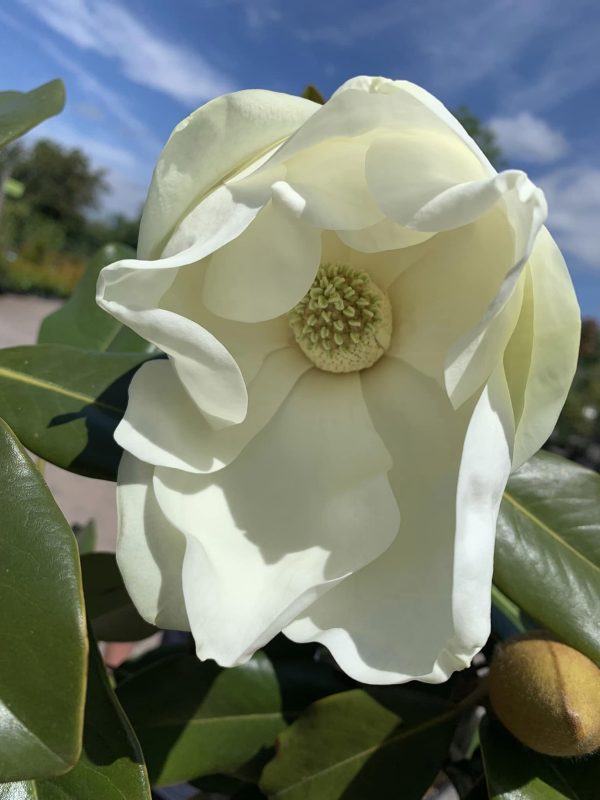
(193, 718)
(357, 745)
(111, 766)
(64, 404)
(113, 616)
(21, 111)
(514, 772)
(42, 629)
(80, 322)
(547, 556)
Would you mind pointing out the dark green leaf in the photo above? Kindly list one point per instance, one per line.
(43, 662)
(312, 93)
(111, 766)
(64, 404)
(548, 548)
(357, 745)
(514, 772)
(80, 322)
(113, 616)
(193, 718)
(21, 111)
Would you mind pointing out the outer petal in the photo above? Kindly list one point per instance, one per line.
(264, 272)
(304, 505)
(149, 549)
(541, 357)
(162, 425)
(451, 282)
(326, 187)
(218, 140)
(132, 291)
(422, 609)
(379, 85)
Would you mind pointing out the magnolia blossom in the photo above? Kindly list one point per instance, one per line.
(366, 329)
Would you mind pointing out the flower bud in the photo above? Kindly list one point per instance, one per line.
(547, 694)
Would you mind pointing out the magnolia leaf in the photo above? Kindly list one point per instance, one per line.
(80, 322)
(514, 772)
(21, 111)
(361, 744)
(113, 616)
(547, 558)
(111, 766)
(193, 718)
(42, 629)
(64, 404)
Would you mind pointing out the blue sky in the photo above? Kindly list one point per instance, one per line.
(134, 68)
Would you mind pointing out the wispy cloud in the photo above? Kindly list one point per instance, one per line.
(258, 14)
(525, 137)
(112, 103)
(143, 55)
(574, 201)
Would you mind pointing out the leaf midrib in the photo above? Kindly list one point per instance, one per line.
(548, 530)
(50, 386)
(405, 734)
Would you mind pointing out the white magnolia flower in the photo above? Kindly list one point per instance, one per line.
(367, 328)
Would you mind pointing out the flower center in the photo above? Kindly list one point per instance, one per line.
(344, 322)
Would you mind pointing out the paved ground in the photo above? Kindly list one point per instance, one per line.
(80, 498)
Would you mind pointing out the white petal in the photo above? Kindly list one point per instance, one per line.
(149, 549)
(384, 235)
(329, 186)
(248, 343)
(132, 291)
(383, 267)
(541, 357)
(162, 425)
(264, 272)
(378, 85)
(414, 176)
(212, 144)
(472, 358)
(445, 293)
(306, 503)
(422, 609)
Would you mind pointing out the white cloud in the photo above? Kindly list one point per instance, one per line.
(573, 195)
(526, 137)
(144, 56)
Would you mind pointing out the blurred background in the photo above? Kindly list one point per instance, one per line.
(522, 75)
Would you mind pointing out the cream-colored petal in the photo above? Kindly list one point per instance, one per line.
(383, 267)
(422, 610)
(162, 424)
(132, 291)
(414, 176)
(386, 86)
(305, 504)
(264, 272)
(541, 356)
(149, 549)
(473, 356)
(248, 343)
(215, 142)
(446, 291)
(383, 235)
(326, 186)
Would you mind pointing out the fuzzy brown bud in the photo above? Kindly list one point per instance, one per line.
(547, 694)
